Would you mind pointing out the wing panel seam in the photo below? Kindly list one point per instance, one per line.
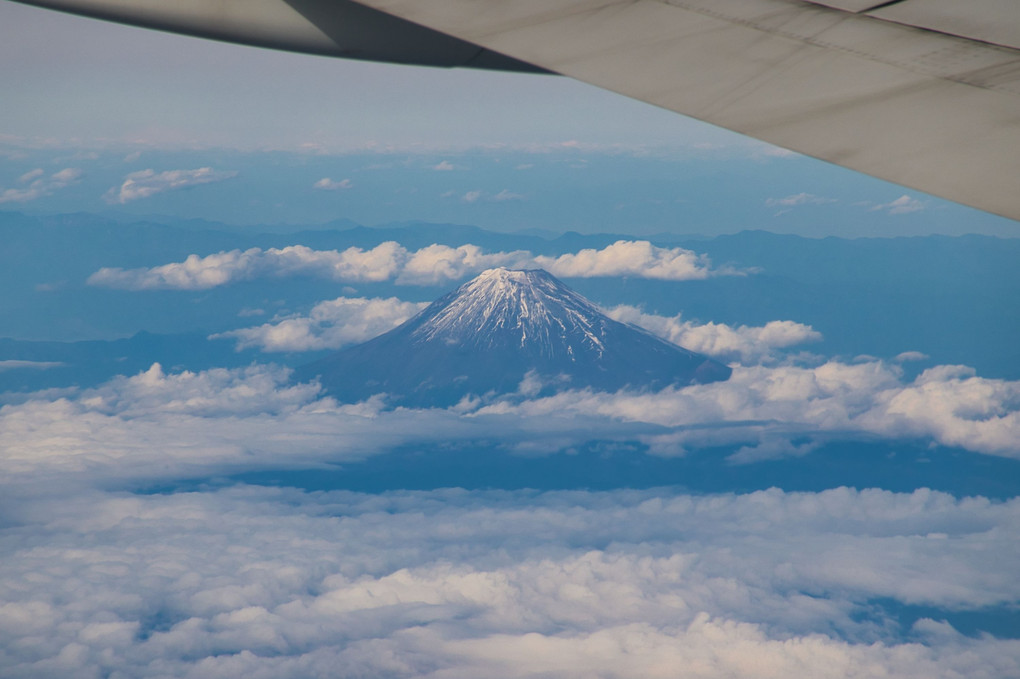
(1009, 55)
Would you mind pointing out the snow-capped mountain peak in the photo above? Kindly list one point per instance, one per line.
(486, 336)
(508, 307)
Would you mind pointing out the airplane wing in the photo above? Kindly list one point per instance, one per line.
(924, 93)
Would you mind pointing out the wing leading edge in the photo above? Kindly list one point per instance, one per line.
(910, 91)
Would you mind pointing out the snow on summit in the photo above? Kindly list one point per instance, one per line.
(502, 306)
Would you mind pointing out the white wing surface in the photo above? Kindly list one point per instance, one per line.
(924, 93)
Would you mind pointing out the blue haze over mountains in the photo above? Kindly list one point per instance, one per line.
(952, 298)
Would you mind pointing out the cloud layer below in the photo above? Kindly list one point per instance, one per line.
(218, 421)
(946, 404)
(431, 265)
(279, 583)
(270, 582)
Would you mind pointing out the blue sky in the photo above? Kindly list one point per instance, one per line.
(160, 89)
(845, 505)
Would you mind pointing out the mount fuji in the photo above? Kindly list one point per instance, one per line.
(502, 332)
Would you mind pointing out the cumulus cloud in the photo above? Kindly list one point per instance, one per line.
(746, 344)
(946, 404)
(200, 273)
(186, 423)
(277, 582)
(431, 265)
(36, 184)
(952, 405)
(190, 424)
(327, 184)
(329, 325)
(197, 423)
(146, 183)
(436, 264)
(630, 258)
(443, 166)
(902, 205)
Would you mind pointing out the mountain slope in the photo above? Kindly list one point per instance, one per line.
(487, 335)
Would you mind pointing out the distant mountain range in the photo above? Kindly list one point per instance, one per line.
(952, 298)
(502, 332)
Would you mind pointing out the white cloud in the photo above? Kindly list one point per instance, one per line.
(760, 149)
(478, 195)
(436, 264)
(188, 423)
(631, 258)
(902, 205)
(911, 356)
(31, 175)
(747, 344)
(945, 404)
(280, 583)
(329, 325)
(953, 406)
(431, 265)
(66, 176)
(798, 199)
(506, 195)
(249, 312)
(146, 183)
(444, 166)
(199, 273)
(14, 364)
(37, 185)
(327, 184)
(196, 423)
(277, 582)
(254, 391)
